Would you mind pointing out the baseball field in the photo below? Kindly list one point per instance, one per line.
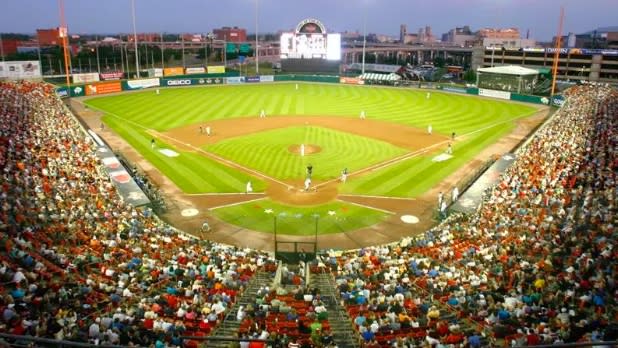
(389, 154)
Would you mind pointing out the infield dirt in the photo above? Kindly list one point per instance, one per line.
(412, 139)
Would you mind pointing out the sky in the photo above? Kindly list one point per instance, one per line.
(382, 16)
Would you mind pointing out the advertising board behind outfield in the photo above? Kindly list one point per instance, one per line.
(103, 88)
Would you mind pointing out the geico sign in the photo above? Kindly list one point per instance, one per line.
(178, 82)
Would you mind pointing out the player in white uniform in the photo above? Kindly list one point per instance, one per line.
(307, 184)
(262, 113)
(429, 129)
(362, 114)
(249, 187)
(208, 130)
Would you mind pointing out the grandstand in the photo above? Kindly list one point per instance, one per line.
(534, 264)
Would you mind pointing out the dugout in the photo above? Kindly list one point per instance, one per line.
(510, 78)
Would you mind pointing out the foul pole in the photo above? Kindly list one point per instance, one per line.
(557, 53)
(64, 33)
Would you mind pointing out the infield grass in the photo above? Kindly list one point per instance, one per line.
(478, 122)
(267, 152)
(334, 217)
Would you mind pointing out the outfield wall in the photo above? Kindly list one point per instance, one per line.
(105, 87)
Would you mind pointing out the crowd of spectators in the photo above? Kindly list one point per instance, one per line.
(535, 264)
(79, 264)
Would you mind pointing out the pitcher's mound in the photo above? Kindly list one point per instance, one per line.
(309, 149)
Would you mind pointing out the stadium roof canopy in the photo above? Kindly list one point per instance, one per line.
(382, 68)
(509, 70)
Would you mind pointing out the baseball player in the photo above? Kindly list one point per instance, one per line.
(344, 175)
(362, 114)
(152, 143)
(307, 184)
(429, 129)
(208, 130)
(428, 95)
(249, 187)
(262, 113)
(455, 194)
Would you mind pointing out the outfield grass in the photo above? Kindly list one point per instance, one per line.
(482, 121)
(415, 176)
(190, 171)
(267, 152)
(334, 217)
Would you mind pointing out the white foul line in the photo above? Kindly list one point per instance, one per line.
(368, 207)
(237, 203)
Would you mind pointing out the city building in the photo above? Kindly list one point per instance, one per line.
(232, 34)
(574, 64)
(48, 37)
(603, 37)
(9, 46)
(460, 36)
(145, 37)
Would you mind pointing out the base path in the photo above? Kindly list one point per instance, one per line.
(393, 229)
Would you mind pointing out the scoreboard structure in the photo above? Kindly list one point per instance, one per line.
(310, 48)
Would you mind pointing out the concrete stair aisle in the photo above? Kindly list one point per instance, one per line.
(341, 325)
(229, 327)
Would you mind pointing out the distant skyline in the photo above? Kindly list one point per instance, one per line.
(382, 16)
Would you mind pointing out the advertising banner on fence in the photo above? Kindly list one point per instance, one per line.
(112, 75)
(156, 72)
(494, 94)
(85, 78)
(252, 79)
(103, 88)
(62, 92)
(178, 82)
(351, 81)
(267, 78)
(173, 71)
(558, 100)
(210, 81)
(199, 70)
(78, 91)
(235, 79)
(145, 83)
(454, 89)
(216, 69)
(19, 70)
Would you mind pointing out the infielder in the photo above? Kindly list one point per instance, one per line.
(429, 129)
(344, 175)
(262, 113)
(307, 184)
(362, 114)
(249, 188)
(302, 150)
(208, 130)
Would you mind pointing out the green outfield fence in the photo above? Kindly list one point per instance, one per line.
(233, 78)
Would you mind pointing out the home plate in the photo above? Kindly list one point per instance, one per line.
(189, 212)
(409, 219)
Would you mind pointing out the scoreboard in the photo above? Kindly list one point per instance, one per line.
(310, 41)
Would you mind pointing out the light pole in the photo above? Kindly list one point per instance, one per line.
(364, 38)
(135, 38)
(257, 51)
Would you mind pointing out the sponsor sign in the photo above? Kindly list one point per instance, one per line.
(494, 94)
(598, 51)
(114, 75)
(216, 69)
(454, 89)
(78, 91)
(267, 78)
(85, 78)
(145, 83)
(156, 72)
(235, 79)
(532, 49)
(558, 100)
(199, 70)
(103, 88)
(62, 92)
(252, 79)
(19, 70)
(351, 81)
(173, 71)
(179, 82)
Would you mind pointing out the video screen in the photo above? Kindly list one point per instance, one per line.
(311, 46)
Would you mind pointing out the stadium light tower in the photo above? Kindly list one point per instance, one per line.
(364, 37)
(135, 38)
(257, 51)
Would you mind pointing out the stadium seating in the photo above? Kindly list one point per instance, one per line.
(535, 264)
